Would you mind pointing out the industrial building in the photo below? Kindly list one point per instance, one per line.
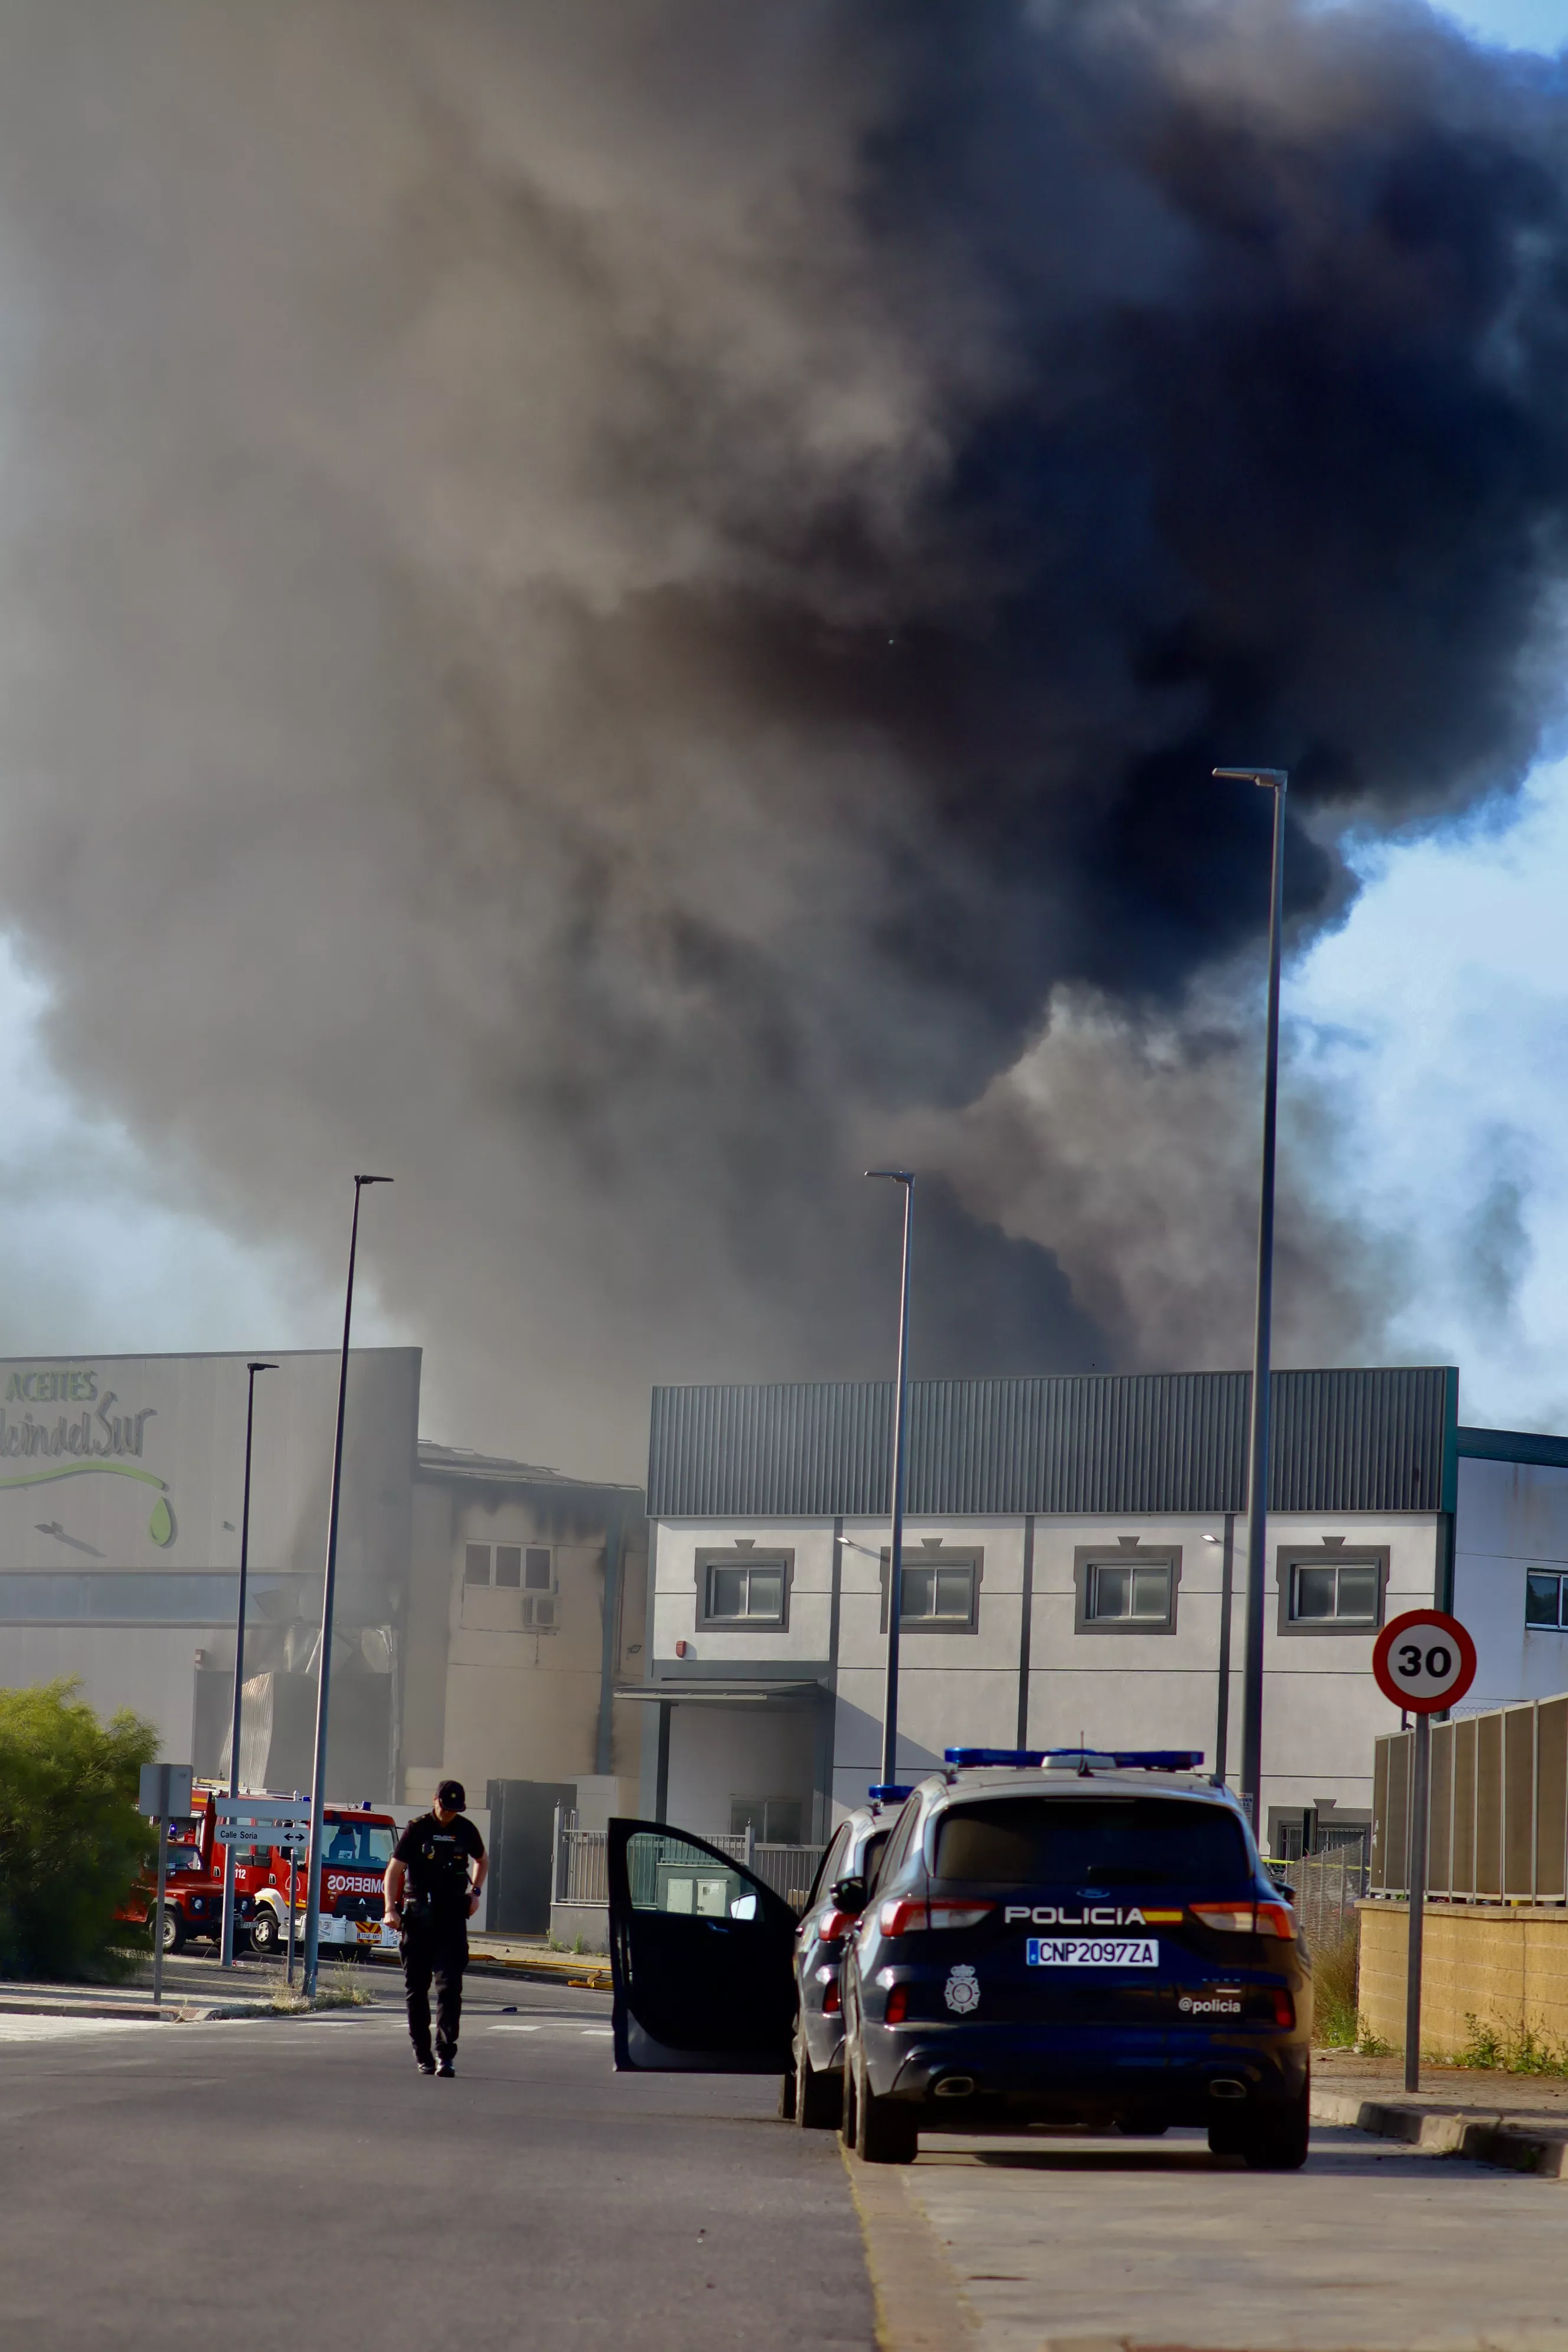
(481, 1602)
(1074, 1569)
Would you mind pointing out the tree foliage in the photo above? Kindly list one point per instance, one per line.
(72, 1840)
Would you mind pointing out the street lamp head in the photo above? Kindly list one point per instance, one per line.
(893, 1175)
(1271, 779)
(261, 1368)
(374, 1180)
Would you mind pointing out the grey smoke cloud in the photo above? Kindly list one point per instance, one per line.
(603, 607)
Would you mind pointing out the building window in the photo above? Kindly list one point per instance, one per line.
(743, 1590)
(939, 1589)
(1117, 1591)
(773, 1821)
(1127, 1587)
(511, 1568)
(1330, 1589)
(1546, 1597)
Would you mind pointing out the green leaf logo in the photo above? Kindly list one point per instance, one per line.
(161, 1526)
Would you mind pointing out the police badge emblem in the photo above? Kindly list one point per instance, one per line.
(962, 1993)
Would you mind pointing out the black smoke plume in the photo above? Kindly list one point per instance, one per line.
(613, 608)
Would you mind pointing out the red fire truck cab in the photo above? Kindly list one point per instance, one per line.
(356, 1846)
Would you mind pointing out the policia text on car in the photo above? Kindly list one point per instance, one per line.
(429, 1899)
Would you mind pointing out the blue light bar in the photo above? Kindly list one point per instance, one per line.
(1122, 1760)
(1132, 1759)
(964, 1756)
(888, 1792)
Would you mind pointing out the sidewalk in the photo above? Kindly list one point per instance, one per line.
(1519, 2122)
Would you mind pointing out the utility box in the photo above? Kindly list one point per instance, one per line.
(523, 1815)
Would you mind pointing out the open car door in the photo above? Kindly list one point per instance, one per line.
(702, 1956)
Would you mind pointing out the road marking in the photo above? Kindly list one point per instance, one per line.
(508, 2028)
(68, 2029)
(589, 2032)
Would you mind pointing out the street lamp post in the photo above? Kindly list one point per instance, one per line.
(1274, 780)
(324, 1661)
(900, 1456)
(239, 1662)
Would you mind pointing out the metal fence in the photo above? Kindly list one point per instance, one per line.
(582, 1873)
(1328, 1885)
(1498, 1825)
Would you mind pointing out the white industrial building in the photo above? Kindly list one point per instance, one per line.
(1070, 1544)
(485, 1610)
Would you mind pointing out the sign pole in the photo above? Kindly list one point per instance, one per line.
(1419, 1794)
(158, 1906)
(1424, 1662)
(292, 1868)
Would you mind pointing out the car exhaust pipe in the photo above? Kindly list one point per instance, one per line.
(954, 2086)
(1225, 2086)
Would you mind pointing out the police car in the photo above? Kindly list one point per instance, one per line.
(1067, 1937)
(813, 2091)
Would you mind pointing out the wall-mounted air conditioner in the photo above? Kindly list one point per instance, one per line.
(541, 1612)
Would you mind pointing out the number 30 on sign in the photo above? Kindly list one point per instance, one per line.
(1423, 1660)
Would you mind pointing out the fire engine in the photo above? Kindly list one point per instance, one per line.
(356, 1846)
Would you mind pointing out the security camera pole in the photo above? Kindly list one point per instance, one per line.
(239, 1662)
(900, 1454)
(1274, 780)
(324, 1663)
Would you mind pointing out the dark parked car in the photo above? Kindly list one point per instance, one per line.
(813, 2093)
(1081, 1939)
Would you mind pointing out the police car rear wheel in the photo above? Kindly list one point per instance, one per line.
(816, 2100)
(1277, 2140)
(885, 2133)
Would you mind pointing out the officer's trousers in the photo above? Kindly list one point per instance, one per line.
(432, 1951)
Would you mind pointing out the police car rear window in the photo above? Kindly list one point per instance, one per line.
(1080, 1842)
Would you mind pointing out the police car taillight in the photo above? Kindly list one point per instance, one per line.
(906, 1917)
(832, 1924)
(1248, 1918)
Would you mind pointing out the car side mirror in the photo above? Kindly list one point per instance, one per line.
(849, 1897)
(1288, 1891)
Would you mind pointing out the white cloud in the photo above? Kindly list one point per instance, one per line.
(1437, 1021)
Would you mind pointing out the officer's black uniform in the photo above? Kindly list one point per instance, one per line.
(434, 1935)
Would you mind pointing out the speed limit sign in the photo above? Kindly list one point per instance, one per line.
(1423, 1660)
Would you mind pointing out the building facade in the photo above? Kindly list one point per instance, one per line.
(1074, 1570)
(480, 1603)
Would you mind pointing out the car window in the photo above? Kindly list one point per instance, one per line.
(871, 1860)
(1103, 1842)
(831, 1867)
(899, 1836)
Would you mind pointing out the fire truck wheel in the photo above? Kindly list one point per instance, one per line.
(173, 1934)
(264, 1935)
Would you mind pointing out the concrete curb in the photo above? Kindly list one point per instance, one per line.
(1481, 2135)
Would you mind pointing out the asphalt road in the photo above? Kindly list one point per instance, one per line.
(301, 2184)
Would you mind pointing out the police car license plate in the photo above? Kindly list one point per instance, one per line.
(1093, 1952)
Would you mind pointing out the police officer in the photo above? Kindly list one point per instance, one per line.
(429, 1897)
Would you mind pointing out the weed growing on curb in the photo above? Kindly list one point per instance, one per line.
(1335, 1979)
(1511, 2049)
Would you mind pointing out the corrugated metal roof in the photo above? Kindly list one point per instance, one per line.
(1073, 1444)
(1528, 1446)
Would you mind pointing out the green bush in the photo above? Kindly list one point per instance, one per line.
(72, 1840)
